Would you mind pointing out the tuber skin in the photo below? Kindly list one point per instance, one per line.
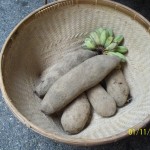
(117, 87)
(68, 62)
(103, 104)
(76, 115)
(75, 82)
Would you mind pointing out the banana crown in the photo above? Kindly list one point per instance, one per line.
(104, 40)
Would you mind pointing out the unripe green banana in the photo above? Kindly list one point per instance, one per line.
(118, 39)
(94, 36)
(121, 49)
(89, 44)
(112, 46)
(107, 33)
(121, 56)
(99, 31)
(89, 39)
(110, 31)
(103, 37)
(108, 41)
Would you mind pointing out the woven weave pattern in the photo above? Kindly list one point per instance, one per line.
(55, 32)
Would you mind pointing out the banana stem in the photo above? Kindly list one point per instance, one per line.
(100, 50)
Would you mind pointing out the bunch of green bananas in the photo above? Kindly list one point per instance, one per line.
(107, 42)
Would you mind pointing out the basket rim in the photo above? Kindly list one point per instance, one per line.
(59, 138)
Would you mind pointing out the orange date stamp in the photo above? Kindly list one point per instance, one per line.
(141, 132)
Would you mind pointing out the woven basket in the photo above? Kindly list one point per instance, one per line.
(44, 36)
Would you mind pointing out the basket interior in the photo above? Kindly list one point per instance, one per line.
(41, 41)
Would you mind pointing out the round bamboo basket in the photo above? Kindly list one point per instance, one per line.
(50, 32)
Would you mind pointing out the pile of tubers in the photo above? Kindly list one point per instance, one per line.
(74, 84)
